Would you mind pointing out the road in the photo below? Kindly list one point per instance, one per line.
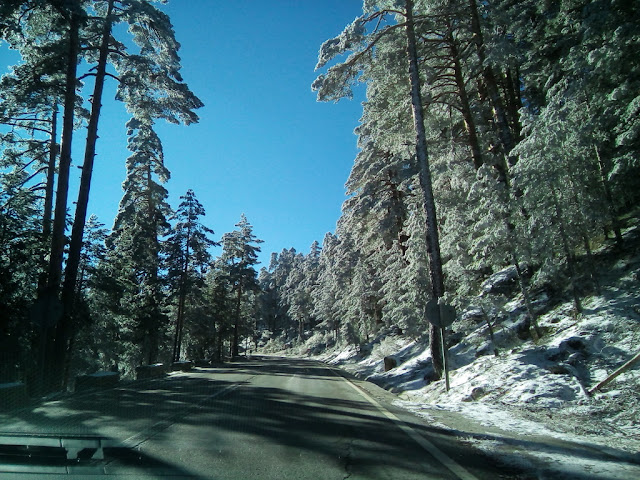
(263, 418)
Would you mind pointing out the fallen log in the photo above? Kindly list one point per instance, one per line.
(622, 369)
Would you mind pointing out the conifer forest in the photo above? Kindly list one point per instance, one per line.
(495, 135)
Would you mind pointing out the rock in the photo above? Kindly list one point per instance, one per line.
(540, 301)
(485, 349)
(473, 314)
(182, 366)
(523, 328)
(430, 376)
(395, 331)
(572, 350)
(476, 393)
(97, 380)
(574, 343)
(390, 363)
(319, 348)
(502, 282)
(13, 395)
(454, 338)
(151, 371)
(576, 358)
(559, 369)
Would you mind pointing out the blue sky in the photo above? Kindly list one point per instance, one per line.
(264, 146)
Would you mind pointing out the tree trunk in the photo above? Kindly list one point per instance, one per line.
(523, 286)
(514, 101)
(153, 332)
(177, 339)
(428, 204)
(592, 264)
(567, 251)
(183, 293)
(51, 174)
(491, 84)
(49, 189)
(53, 355)
(62, 192)
(465, 106)
(235, 351)
(75, 247)
(615, 225)
(219, 341)
(177, 344)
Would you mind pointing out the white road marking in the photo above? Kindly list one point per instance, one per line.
(443, 458)
(139, 438)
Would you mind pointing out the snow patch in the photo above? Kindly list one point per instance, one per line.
(536, 389)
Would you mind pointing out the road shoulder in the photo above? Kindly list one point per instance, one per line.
(515, 441)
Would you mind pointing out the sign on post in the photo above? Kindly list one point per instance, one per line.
(442, 316)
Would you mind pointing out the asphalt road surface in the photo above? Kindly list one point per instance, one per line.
(263, 418)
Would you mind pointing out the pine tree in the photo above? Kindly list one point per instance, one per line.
(20, 235)
(136, 250)
(188, 258)
(336, 84)
(152, 32)
(221, 308)
(239, 255)
(336, 263)
(297, 294)
(55, 37)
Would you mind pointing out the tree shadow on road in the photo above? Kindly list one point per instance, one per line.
(349, 432)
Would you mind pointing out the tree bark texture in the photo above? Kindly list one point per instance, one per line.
(49, 189)
(491, 84)
(567, 250)
(177, 343)
(53, 355)
(75, 248)
(62, 192)
(428, 204)
(465, 106)
(235, 350)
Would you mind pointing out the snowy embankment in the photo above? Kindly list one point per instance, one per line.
(533, 388)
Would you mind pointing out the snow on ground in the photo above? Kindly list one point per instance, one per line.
(533, 389)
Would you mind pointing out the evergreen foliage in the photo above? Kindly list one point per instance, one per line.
(521, 117)
(239, 255)
(188, 261)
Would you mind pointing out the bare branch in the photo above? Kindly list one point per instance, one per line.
(82, 77)
(115, 77)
